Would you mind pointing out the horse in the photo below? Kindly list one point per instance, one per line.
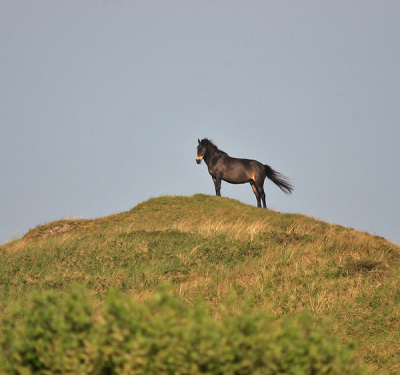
(221, 166)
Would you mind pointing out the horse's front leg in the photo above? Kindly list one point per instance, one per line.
(217, 184)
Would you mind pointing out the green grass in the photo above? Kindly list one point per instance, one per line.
(212, 249)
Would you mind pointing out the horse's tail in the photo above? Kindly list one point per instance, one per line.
(279, 179)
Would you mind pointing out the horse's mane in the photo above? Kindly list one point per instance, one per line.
(216, 149)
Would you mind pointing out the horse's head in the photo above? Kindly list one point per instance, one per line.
(201, 150)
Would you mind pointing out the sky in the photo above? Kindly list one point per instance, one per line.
(102, 103)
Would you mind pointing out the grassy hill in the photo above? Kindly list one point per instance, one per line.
(225, 253)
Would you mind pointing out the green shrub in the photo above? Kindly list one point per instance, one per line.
(62, 334)
(49, 334)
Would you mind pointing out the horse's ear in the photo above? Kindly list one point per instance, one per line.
(198, 140)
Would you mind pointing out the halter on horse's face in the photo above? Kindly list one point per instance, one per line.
(201, 152)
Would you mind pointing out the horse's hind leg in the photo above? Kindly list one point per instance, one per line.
(256, 193)
(260, 189)
(262, 193)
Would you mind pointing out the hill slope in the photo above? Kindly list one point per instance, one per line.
(212, 248)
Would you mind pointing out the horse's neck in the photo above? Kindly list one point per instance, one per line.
(212, 152)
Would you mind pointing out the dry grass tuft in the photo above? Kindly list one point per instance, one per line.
(238, 229)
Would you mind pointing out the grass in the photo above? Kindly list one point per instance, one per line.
(214, 248)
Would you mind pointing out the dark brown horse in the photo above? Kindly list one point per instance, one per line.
(239, 171)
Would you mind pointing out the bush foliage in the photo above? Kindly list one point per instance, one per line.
(63, 333)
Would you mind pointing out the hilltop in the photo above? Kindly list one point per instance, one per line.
(212, 249)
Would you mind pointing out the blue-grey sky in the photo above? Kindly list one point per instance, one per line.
(102, 103)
